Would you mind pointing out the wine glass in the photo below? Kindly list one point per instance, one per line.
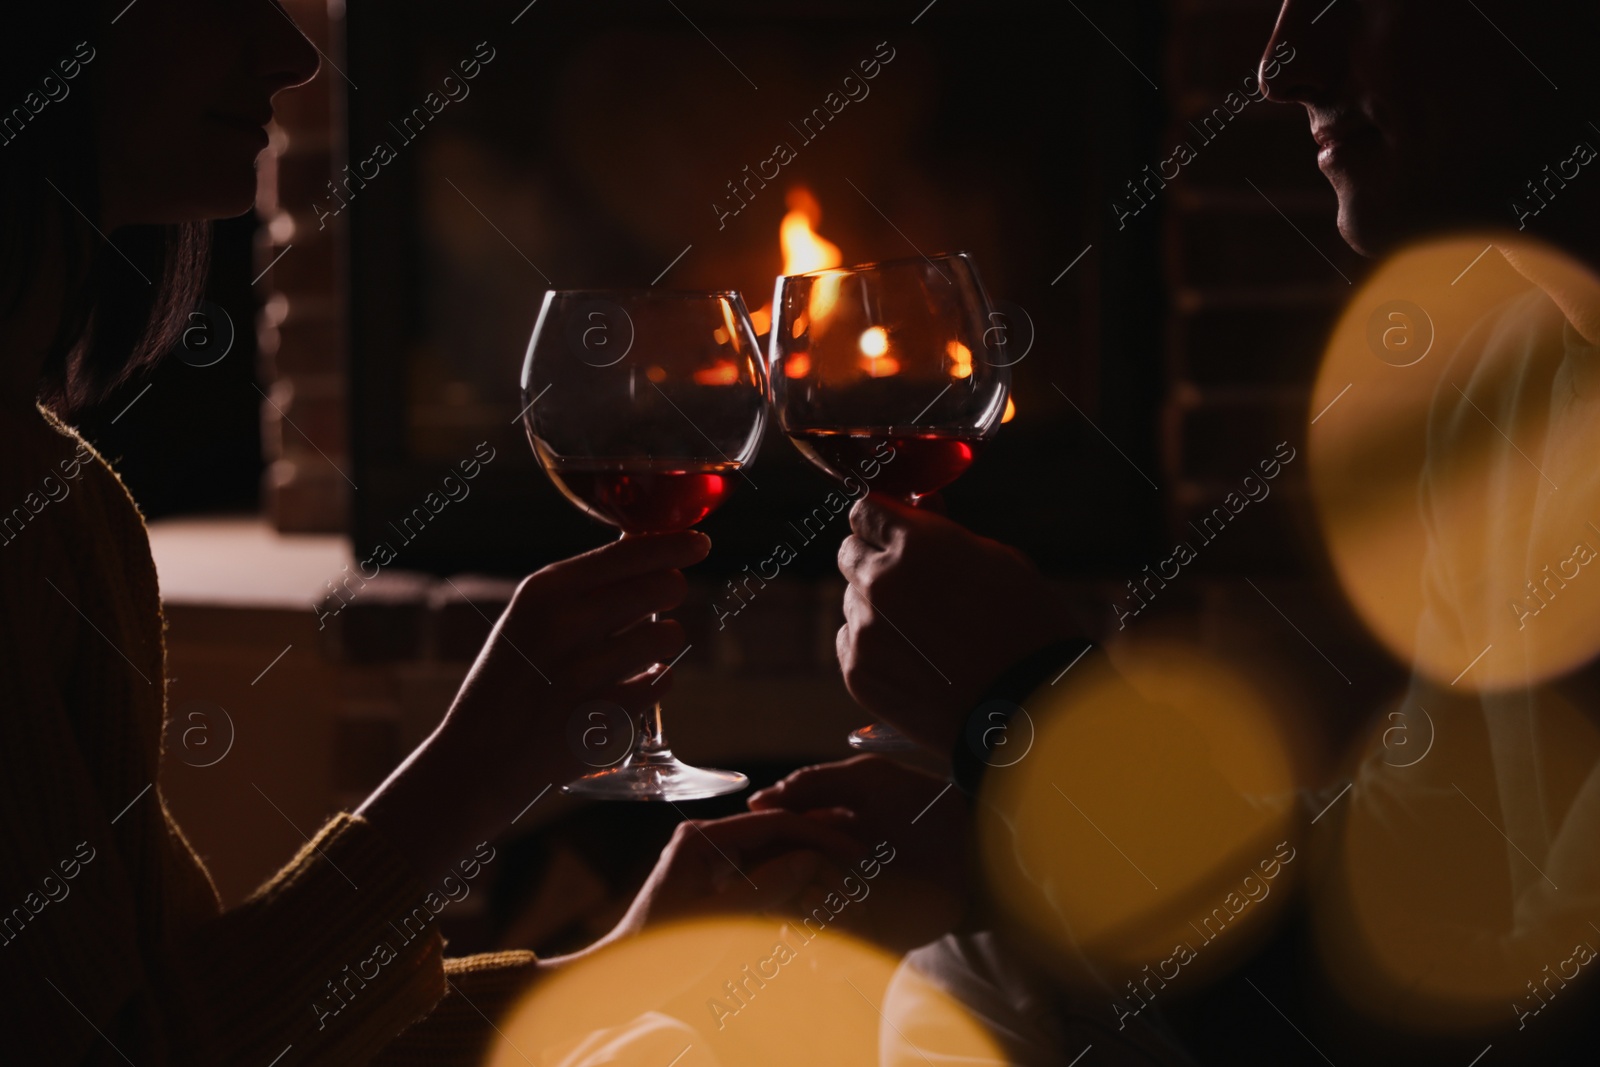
(891, 376)
(643, 407)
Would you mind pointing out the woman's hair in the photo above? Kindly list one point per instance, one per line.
(125, 304)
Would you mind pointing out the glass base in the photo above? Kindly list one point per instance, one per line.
(881, 738)
(655, 776)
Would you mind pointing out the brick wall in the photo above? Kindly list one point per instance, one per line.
(301, 329)
(1256, 273)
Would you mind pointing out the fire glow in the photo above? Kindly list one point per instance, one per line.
(806, 250)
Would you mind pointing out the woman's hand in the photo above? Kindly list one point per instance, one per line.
(576, 631)
(933, 615)
(880, 842)
(758, 862)
(921, 893)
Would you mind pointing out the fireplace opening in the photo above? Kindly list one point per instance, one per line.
(491, 155)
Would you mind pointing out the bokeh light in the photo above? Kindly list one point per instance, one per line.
(1148, 831)
(1462, 869)
(1452, 461)
(738, 990)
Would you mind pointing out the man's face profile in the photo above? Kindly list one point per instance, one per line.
(1429, 117)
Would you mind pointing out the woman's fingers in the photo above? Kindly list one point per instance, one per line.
(781, 880)
(571, 604)
(623, 656)
(774, 884)
(630, 557)
(845, 783)
(609, 608)
(639, 693)
(562, 621)
(755, 836)
(572, 619)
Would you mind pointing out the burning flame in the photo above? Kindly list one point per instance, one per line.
(804, 250)
(876, 361)
(960, 359)
(722, 372)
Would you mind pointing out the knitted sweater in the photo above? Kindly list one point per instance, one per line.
(114, 946)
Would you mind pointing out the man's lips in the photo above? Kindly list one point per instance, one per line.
(1338, 139)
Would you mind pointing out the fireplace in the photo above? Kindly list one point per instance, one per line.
(494, 150)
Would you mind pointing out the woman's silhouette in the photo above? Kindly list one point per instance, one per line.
(125, 128)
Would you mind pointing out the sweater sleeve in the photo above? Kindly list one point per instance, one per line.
(112, 943)
(373, 966)
(76, 959)
(113, 946)
(480, 992)
(333, 957)
(318, 959)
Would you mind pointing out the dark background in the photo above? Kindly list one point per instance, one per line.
(594, 144)
(596, 141)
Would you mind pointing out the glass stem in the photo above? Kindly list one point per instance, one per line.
(652, 741)
(652, 735)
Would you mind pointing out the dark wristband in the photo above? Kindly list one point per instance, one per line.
(987, 728)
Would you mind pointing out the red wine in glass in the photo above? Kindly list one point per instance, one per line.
(643, 407)
(918, 463)
(644, 495)
(892, 374)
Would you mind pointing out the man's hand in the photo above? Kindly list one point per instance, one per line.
(933, 615)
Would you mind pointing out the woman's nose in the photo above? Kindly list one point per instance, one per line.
(287, 56)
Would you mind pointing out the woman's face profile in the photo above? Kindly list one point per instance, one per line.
(186, 91)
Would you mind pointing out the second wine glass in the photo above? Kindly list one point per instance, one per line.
(892, 376)
(644, 406)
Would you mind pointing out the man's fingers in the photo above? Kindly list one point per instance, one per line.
(853, 554)
(879, 520)
(630, 557)
(856, 608)
(876, 520)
